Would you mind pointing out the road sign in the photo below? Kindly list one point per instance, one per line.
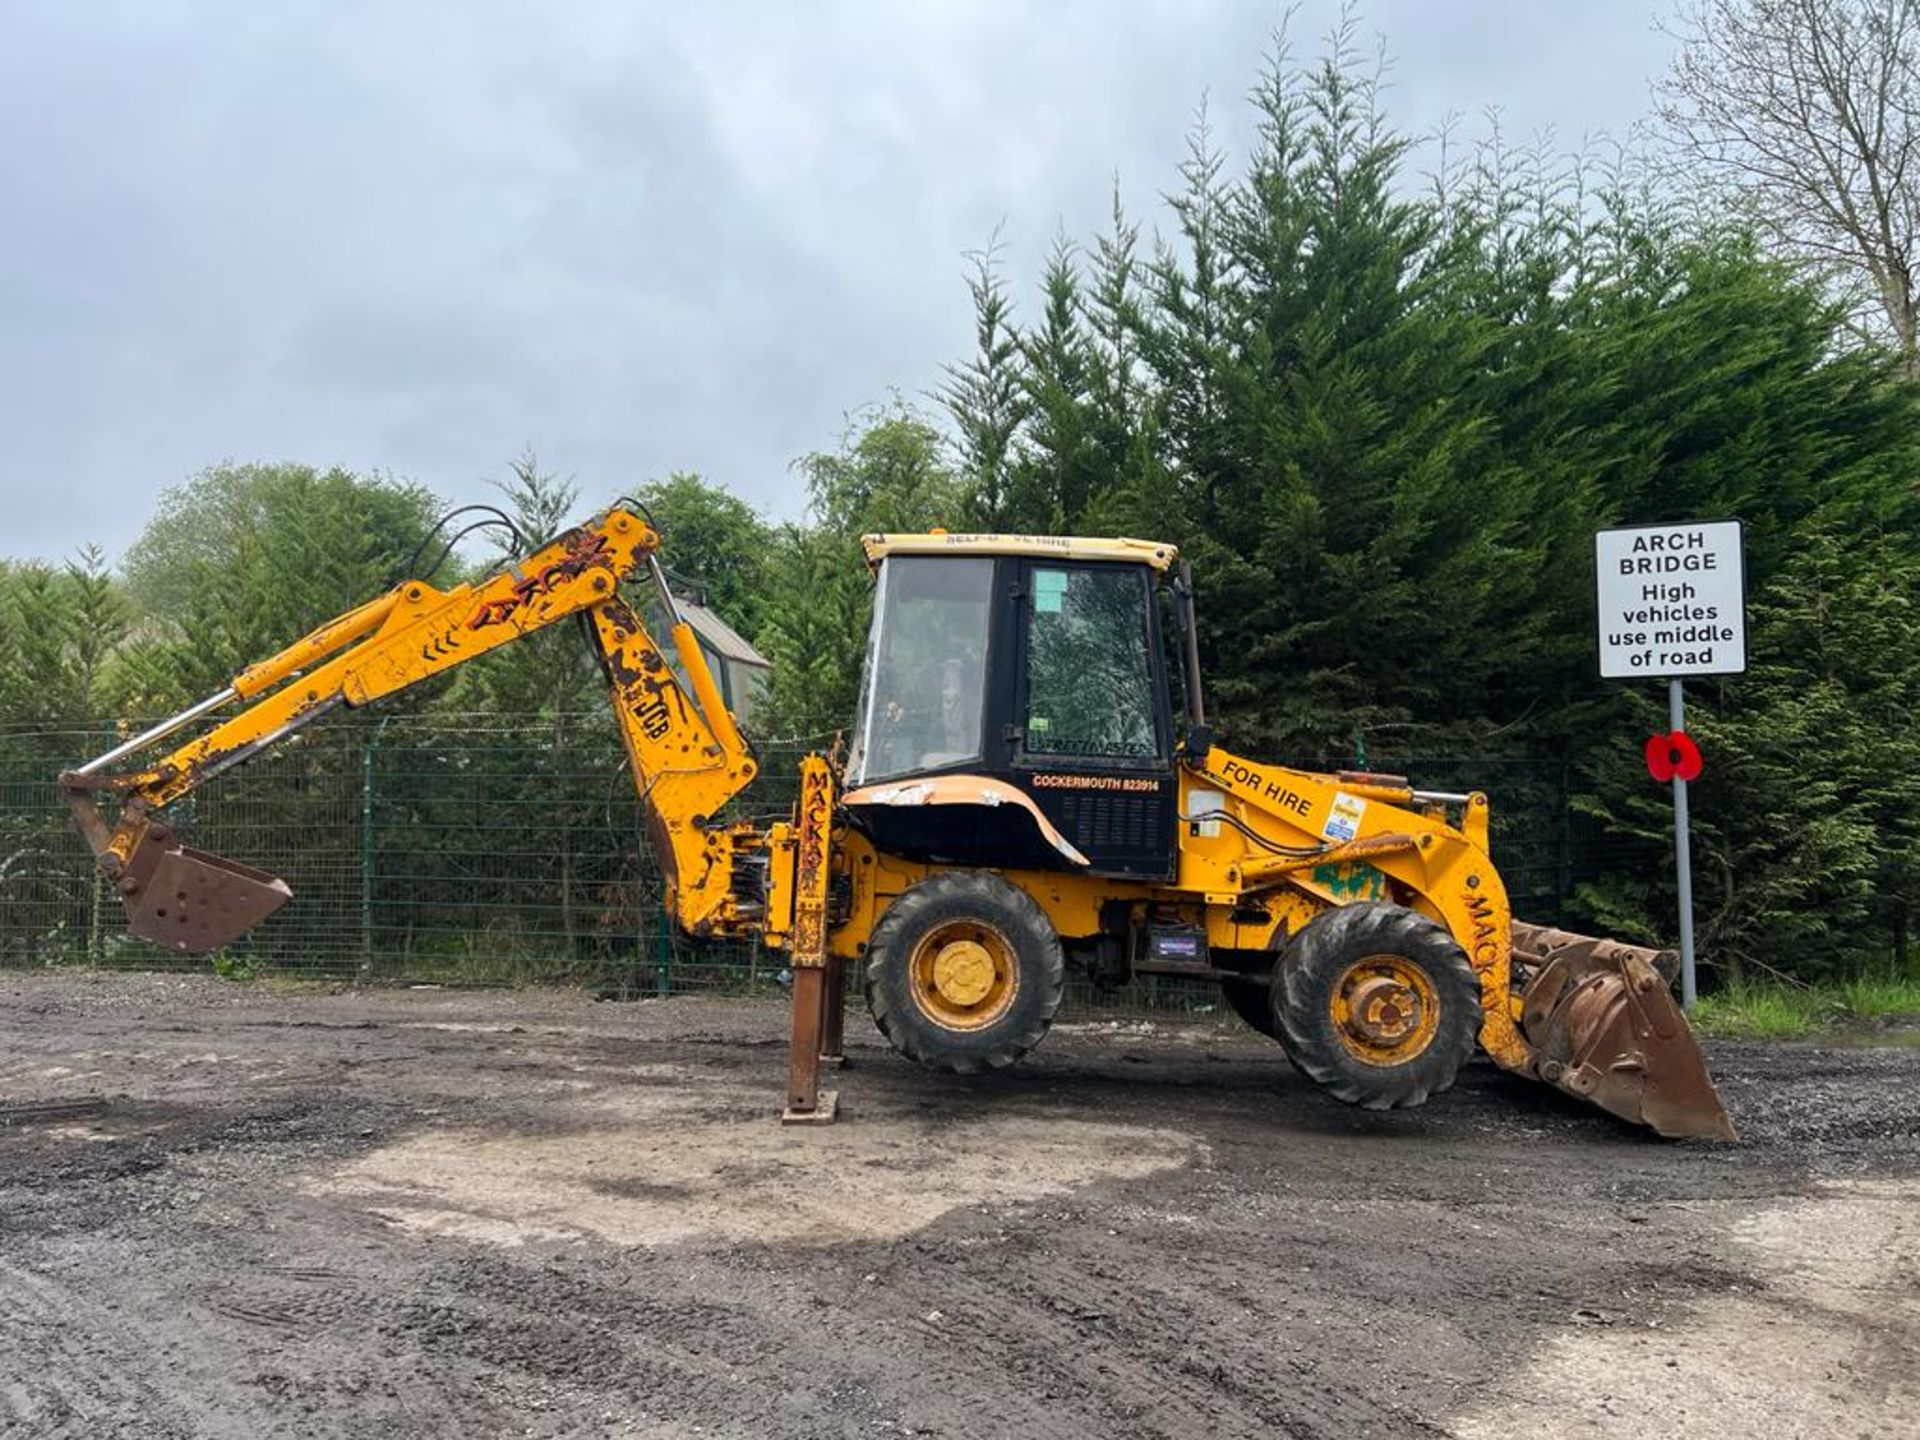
(1672, 600)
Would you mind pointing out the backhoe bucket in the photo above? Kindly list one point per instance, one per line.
(190, 901)
(1604, 1026)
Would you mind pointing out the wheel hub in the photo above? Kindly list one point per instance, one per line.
(1385, 1009)
(964, 975)
(963, 972)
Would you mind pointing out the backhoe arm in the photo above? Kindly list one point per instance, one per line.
(688, 756)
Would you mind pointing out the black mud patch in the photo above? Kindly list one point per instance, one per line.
(232, 1211)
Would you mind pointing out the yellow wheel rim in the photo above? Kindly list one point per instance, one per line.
(963, 975)
(1385, 1010)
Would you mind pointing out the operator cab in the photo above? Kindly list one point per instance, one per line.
(1014, 705)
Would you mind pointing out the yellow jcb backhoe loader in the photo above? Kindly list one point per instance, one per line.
(1019, 796)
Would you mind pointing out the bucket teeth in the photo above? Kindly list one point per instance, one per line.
(1604, 1027)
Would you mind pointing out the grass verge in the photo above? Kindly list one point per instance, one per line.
(1772, 1011)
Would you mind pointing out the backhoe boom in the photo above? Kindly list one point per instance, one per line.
(688, 757)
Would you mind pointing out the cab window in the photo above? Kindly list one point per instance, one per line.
(926, 670)
(1089, 670)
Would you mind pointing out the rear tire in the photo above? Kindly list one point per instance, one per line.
(1252, 1000)
(1377, 1005)
(965, 972)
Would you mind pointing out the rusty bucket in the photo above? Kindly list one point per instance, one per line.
(1604, 1026)
(191, 901)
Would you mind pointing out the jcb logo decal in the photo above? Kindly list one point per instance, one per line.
(653, 718)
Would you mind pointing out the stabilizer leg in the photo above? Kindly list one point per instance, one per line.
(815, 972)
(833, 1022)
(807, 1103)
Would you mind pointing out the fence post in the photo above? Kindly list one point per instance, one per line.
(96, 909)
(663, 950)
(366, 845)
(96, 921)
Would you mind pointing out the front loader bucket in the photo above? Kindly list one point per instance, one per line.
(1604, 1026)
(190, 901)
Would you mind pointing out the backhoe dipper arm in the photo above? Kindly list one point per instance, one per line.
(688, 755)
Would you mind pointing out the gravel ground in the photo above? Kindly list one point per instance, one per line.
(252, 1211)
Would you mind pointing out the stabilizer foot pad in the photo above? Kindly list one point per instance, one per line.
(825, 1113)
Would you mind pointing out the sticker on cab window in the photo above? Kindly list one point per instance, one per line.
(1049, 589)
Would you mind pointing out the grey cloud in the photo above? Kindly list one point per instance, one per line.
(416, 237)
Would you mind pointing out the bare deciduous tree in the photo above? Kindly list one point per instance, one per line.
(1804, 111)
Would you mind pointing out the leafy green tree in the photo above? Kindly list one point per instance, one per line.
(243, 559)
(1386, 424)
(59, 629)
(890, 474)
(814, 634)
(986, 399)
(1061, 461)
(1320, 419)
(13, 677)
(714, 543)
(547, 692)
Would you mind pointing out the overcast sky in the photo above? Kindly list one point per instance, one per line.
(639, 237)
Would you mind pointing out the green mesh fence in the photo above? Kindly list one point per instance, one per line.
(488, 852)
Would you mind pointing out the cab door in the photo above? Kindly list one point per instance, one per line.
(1093, 728)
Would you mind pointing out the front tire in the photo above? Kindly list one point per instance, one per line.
(1377, 1005)
(965, 972)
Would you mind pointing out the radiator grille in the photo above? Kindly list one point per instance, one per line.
(1114, 822)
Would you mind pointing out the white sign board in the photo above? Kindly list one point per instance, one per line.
(1673, 600)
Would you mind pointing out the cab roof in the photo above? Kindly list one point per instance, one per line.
(1064, 547)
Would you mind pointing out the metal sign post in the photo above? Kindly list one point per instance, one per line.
(1671, 602)
(1682, 848)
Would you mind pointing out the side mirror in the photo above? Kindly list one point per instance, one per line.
(1198, 741)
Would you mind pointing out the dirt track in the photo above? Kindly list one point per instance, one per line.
(226, 1211)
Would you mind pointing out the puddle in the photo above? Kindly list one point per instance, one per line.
(1865, 1038)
